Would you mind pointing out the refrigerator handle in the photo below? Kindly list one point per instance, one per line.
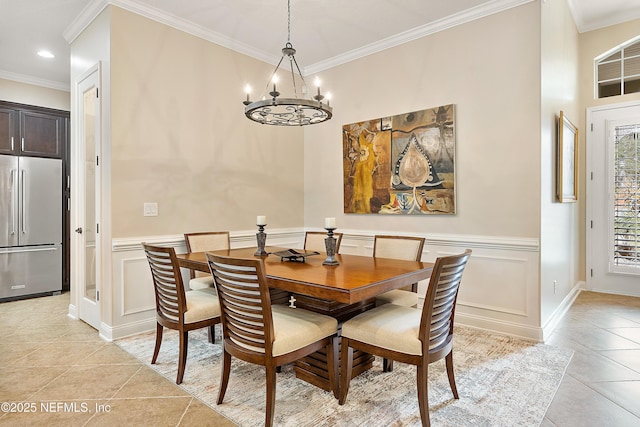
(24, 231)
(13, 201)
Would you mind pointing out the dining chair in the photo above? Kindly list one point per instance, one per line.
(175, 308)
(407, 248)
(314, 241)
(410, 335)
(257, 332)
(205, 241)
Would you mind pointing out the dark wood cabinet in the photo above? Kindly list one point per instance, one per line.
(8, 133)
(32, 131)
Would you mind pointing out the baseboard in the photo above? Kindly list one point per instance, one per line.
(532, 333)
(561, 310)
(109, 333)
(73, 312)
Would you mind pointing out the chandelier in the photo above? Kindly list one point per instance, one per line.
(296, 111)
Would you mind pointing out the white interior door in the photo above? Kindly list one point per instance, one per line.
(87, 196)
(613, 199)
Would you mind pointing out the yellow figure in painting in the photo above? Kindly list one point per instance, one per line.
(363, 178)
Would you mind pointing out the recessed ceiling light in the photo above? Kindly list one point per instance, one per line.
(46, 54)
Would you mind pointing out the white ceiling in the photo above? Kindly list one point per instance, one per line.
(325, 32)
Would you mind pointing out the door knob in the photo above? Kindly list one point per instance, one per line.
(79, 230)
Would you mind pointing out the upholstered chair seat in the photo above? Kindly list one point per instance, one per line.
(202, 282)
(402, 297)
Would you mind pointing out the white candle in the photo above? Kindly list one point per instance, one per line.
(261, 220)
(329, 223)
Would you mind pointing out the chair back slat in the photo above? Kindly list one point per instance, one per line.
(167, 282)
(314, 241)
(436, 328)
(245, 304)
(206, 241)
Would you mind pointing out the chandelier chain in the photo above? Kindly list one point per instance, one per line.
(289, 21)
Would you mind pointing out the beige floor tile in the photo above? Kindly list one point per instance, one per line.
(52, 354)
(624, 393)
(632, 334)
(575, 404)
(62, 418)
(109, 353)
(628, 358)
(200, 415)
(88, 382)
(156, 412)
(20, 383)
(147, 383)
(598, 339)
(590, 366)
(12, 352)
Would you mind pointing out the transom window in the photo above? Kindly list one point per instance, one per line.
(618, 71)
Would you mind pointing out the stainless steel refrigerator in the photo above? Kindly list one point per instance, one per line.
(30, 226)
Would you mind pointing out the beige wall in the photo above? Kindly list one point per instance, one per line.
(24, 93)
(180, 138)
(490, 70)
(562, 224)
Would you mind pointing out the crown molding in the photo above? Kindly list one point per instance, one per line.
(23, 78)
(95, 7)
(84, 18)
(189, 27)
(463, 17)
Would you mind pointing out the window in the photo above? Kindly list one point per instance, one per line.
(626, 194)
(618, 71)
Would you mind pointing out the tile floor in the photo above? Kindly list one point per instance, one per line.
(602, 383)
(76, 379)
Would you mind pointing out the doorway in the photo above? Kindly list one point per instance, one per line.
(613, 199)
(86, 194)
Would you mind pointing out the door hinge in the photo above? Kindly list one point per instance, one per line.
(591, 127)
(97, 161)
(97, 96)
(97, 295)
(592, 272)
(97, 228)
(591, 176)
(591, 224)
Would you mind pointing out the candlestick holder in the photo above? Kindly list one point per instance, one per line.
(261, 237)
(330, 245)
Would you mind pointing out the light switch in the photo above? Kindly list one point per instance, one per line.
(151, 209)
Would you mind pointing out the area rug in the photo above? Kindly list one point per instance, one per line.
(502, 381)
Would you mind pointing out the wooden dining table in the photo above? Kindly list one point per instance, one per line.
(341, 291)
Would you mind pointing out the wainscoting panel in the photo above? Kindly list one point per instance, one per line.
(499, 290)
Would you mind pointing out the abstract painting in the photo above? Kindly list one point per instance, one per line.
(401, 165)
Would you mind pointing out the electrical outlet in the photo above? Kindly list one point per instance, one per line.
(555, 286)
(151, 209)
